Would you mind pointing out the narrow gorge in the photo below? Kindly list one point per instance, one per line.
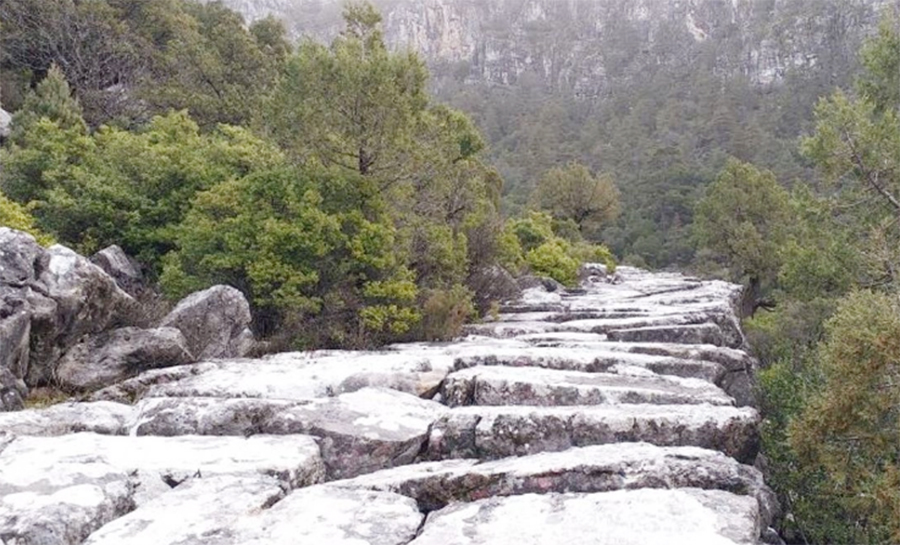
(619, 412)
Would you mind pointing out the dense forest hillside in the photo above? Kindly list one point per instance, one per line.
(657, 93)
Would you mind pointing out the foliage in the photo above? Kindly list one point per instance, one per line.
(572, 193)
(848, 429)
(742, 221)
(298, 257)
(51, 99)
(123, 187)
(14, 216)
(532, 241)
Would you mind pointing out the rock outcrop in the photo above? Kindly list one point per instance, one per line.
(70, 322)
(544, 425)
(215, 322)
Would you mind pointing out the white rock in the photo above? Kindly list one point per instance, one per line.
(196, 512)
(632, 517)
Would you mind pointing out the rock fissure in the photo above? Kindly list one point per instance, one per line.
(621, 411)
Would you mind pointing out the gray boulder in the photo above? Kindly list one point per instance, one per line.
(78, 299)
(120, 354)
(215, 322)
(12, 391)
(5, 121)
(121, 268)
(493, 283)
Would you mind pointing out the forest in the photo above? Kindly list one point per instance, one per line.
(357, 202)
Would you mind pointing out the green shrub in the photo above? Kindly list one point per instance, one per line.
(15, 216)
(445, 312)
(554, 259)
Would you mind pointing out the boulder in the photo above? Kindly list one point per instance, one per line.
(124, 270)
(12, 391)
(5, 121)
(78, 299)
(119, 354)
(493, 284)
(626, 517)
(15, 335)
(215, 322)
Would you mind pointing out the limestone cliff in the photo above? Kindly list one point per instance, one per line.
(581, 44)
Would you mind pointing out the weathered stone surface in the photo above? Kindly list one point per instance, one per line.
(99, 417)
(628, 517)
(498, 432)
(294, 376)
(215, 322)
(199, 511)
(5, 120)
(359, 432)
(684, 334)
(159, 463)
(323, 515)
(589, 359)
(544, 387)
(120, 354)
(47, 499)
(601, 468)
(125, 271)
(362, 431)
(12, 391)
(82, 300)
(15, 333)
(493, 283)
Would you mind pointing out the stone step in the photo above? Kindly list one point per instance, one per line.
(358, 432)
(534, 386)
(291, 376)
(627, 517)
(489, 433)
(57, 490)
(676, 334)
(596, 359)
(601, 468)
(241, 511)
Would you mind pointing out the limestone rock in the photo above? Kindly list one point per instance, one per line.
(100, 417)
(215, 322)
(291, 376)
(120, 354)
(5, 120)
(500, 385)
(362, 431)
(48, 500)
(627, 517)
(12, 391)
(682, 334)
(601, 468)
(359, 432)
(320, 514)
(498, 432)
(193, 513)
(125, 271)
(15, 334)
(85, 301)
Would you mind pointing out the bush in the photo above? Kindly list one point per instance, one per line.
(553, 259)
(445, 312)
(15, 216)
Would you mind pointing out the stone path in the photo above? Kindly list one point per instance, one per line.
(618, 413)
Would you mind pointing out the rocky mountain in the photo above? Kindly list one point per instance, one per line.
(582, 44)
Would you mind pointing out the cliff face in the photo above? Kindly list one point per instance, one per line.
(581, 44)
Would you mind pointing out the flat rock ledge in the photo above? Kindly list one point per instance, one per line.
(620, 413)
